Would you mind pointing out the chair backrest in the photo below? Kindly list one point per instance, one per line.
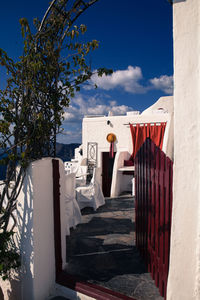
(70, 184)
(96, 177)
(74, 168)
(81, 170)
(84, 162)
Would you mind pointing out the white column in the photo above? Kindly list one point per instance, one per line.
(184, 271)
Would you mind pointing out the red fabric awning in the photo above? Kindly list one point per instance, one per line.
(140, 132)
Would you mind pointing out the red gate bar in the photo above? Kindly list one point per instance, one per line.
(62, 278)
(154, 174)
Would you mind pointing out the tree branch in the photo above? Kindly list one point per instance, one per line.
(86, 5)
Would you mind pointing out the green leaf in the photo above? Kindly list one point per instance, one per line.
(23, 155)
(72, 34)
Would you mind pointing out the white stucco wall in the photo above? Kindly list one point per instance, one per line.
(184, 271)
(96, 130)
(163, 103)
(119, 181)
(37, 231)
(35, 238)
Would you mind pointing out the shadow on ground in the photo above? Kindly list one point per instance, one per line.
(102, 250)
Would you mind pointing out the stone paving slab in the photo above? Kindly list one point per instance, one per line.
(102, 250)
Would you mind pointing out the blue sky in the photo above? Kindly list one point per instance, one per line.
(135, 41)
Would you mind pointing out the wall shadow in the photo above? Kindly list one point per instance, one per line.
(22, 281)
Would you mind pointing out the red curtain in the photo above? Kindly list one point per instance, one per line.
(140, 133)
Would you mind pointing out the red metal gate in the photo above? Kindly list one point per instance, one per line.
(62, 278)
(154, 171)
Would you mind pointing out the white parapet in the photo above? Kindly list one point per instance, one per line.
(35, 236)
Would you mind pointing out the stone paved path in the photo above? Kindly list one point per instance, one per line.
(102, 250)
(59, 298)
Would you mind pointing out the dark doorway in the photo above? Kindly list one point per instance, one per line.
(107, 169)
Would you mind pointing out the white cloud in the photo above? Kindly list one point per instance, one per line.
(101, 104)
(163, 83)
(127, 79)
(68, 115)
(80, 107)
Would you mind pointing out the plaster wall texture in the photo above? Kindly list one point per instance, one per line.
(119, 181)
(96, 130)
(37, 232)
(164, 103)
(35, 236)
(184, 270)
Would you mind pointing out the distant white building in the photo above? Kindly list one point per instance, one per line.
(95, 147)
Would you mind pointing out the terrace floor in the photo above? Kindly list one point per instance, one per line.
(102, 250)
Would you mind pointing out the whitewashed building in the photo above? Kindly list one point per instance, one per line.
(96, 147)
(184, 269)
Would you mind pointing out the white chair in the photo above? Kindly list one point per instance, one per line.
(70, 210)
(67, 166)
(71, 167)
(80, 169)
(91, 195)
(81, 176)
